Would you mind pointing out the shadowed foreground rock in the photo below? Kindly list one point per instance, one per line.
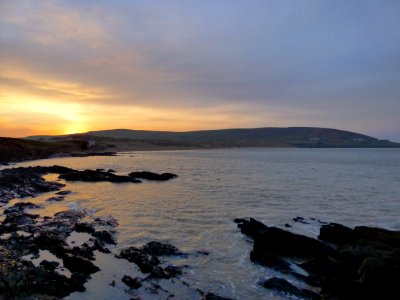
(345, 263)
(20, 278)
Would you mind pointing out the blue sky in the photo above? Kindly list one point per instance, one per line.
(185, 65)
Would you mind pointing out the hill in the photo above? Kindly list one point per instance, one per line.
(14, 150)
(268, 136)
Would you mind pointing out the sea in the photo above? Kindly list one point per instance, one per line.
(195, 211)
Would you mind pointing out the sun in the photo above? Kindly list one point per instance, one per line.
(75, 127)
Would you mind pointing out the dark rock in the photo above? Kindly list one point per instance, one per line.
(20, 218)
(56, 199)
(251, 227)
(79, 265)
(95, 176)
(63, 193)
(19, 284)
(273, 240)
(160, 249)
(284, 286)
(134, 283)
(53, 242)
(300, 220)
(57, 169)
(72, 216)
(337, 234)
(270, 260)
(99, 246)
(84, 251)
(363, 263)
(20, 206)
(379, 235)
(211, 296)
(84, 227)
(146, 262)
(104, 236)
(172, 271)
(49, 265)
(152, 176)
(336, 288)
(239, 220)
(382, 274)
(106, 221)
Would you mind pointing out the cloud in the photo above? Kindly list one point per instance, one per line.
(278, 61)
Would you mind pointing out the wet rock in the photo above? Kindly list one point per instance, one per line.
(49, 265)
(160, 249)
(77, 264)
(19, 284)
(239, 220)
(20, 218)
(51, 241)
(284, 286)
(106, 221)
(172, 271)
(337, 234)
(63, 193)
(20, 206)
(84, 227)
(270, 260)
(84, 251)
(57, 169)
(56, 199)
(378, 235)
(146, 262)
(95, 176)
(360, 263)
(211, 296)
(134, 283)
(300, 220)
(152, 176)
(381, 274)
(72, 216)
(104, 236)
(273, 240)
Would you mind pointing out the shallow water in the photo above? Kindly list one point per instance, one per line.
(195, 211)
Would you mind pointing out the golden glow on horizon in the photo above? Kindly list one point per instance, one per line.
(34, 105)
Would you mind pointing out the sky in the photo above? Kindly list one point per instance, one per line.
(74, 66)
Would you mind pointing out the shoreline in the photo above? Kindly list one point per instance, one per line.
(341, 250)
(126, 151)
(43, 257)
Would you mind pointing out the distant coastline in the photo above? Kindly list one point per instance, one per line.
(108, 142)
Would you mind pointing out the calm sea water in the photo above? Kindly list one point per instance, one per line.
(196, 210)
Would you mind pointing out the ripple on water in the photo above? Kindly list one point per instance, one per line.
(195, 211)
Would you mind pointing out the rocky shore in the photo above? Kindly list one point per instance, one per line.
(28, 182)
(39, 260)
(342, 263)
